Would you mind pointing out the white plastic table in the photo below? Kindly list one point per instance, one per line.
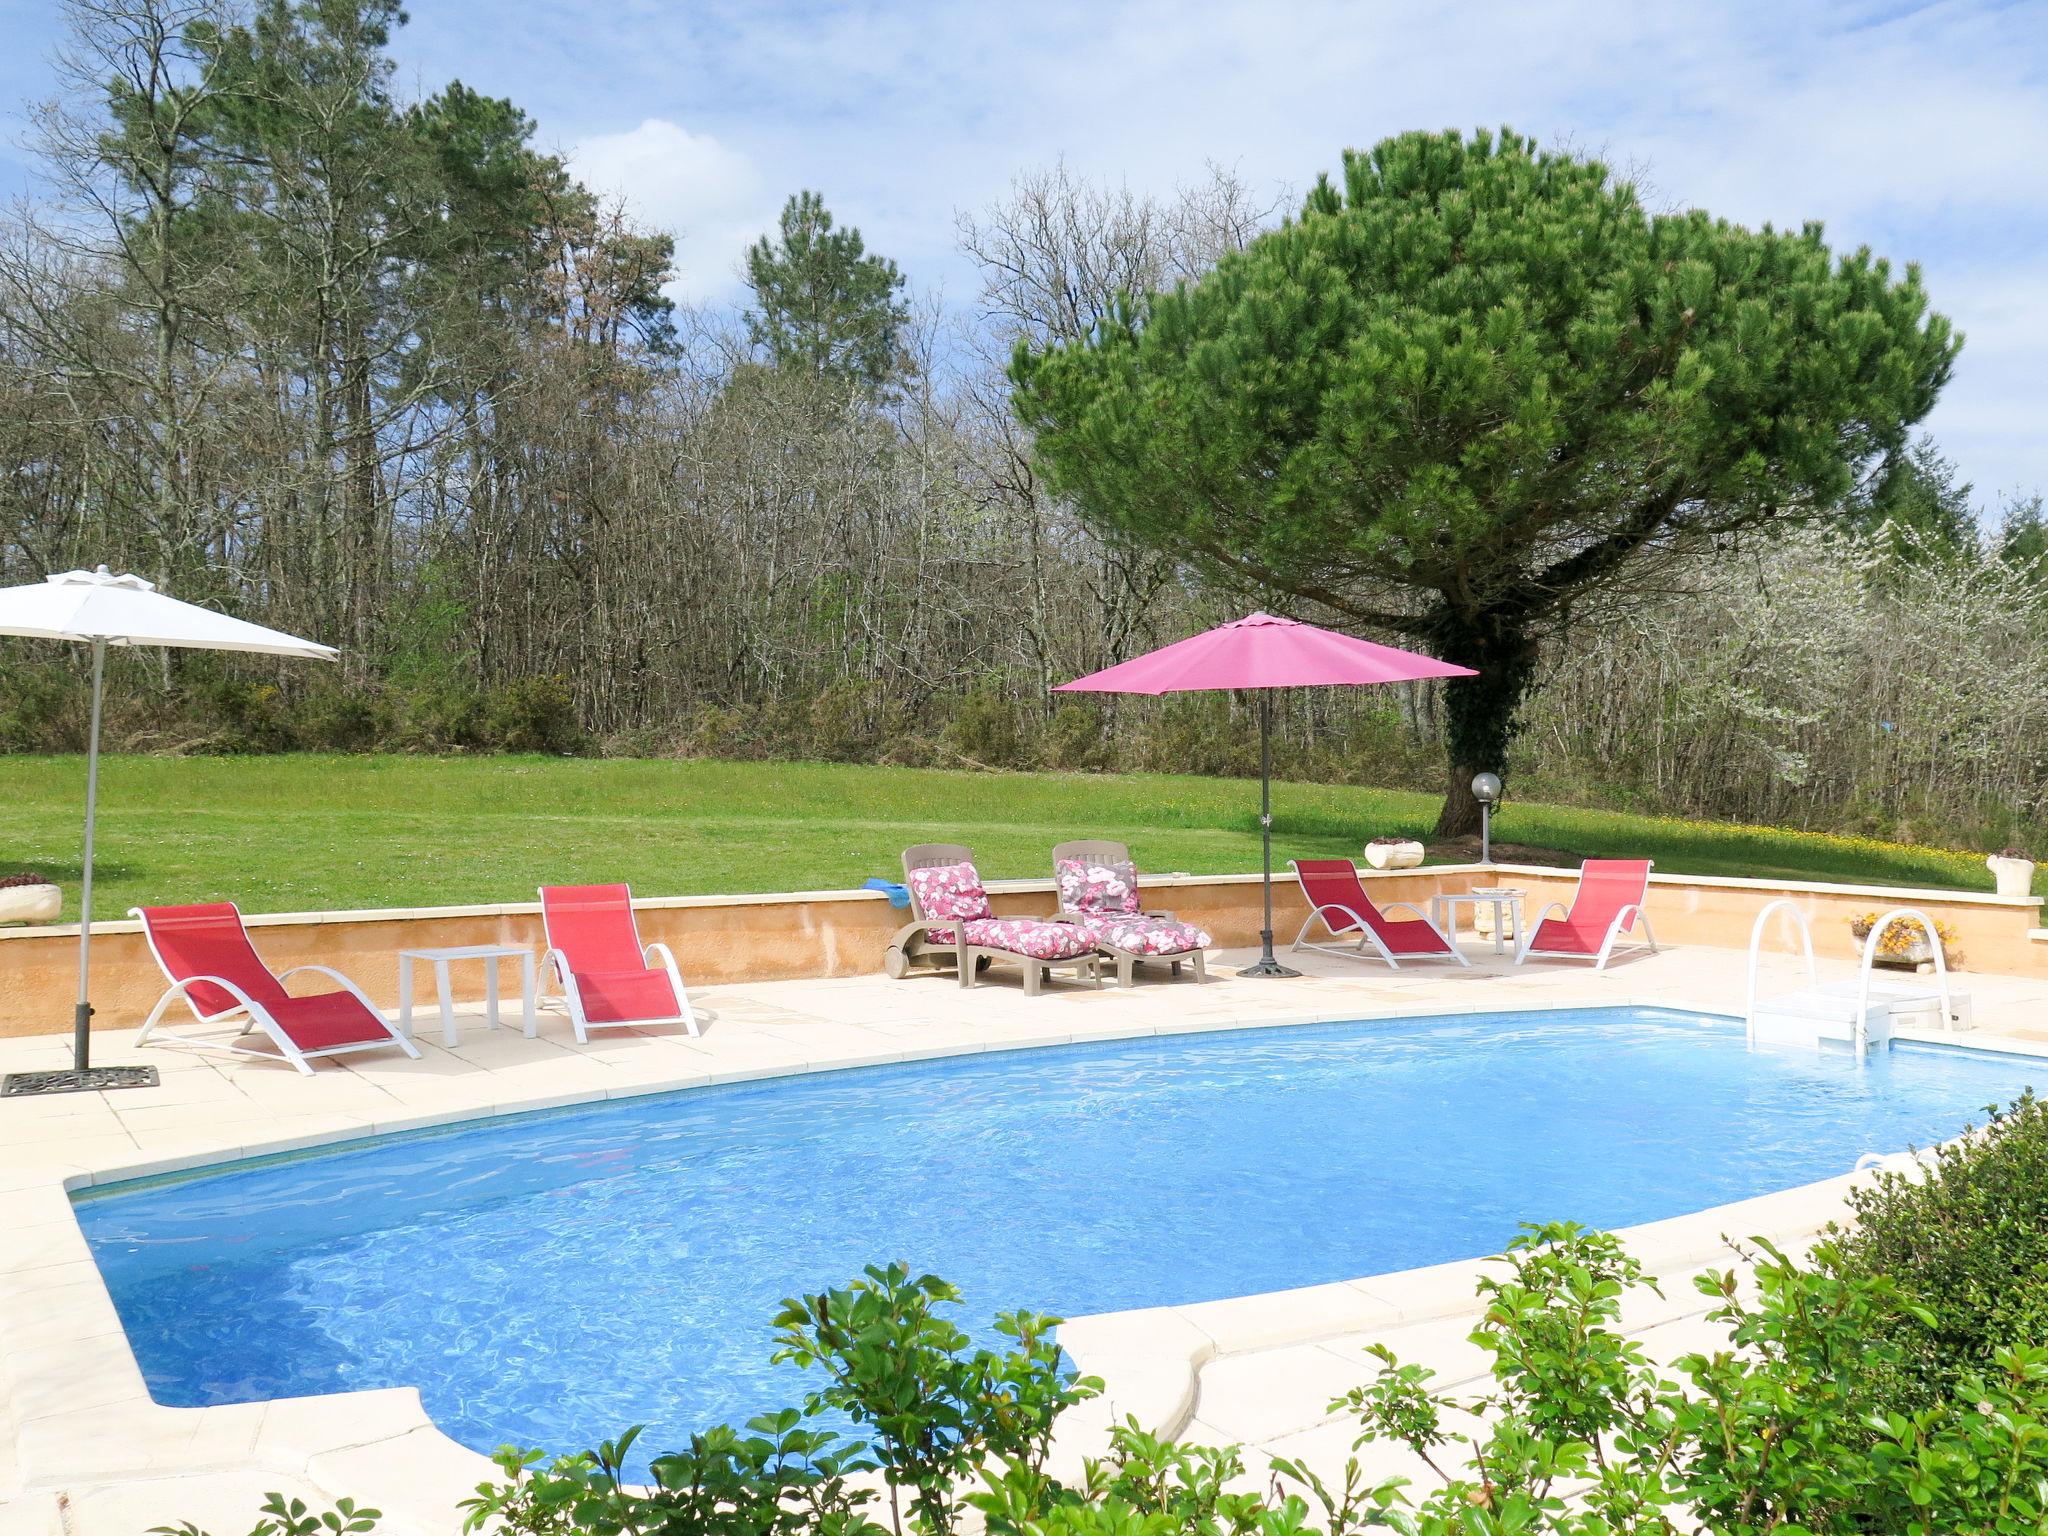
(441, 959)
(1507, 910)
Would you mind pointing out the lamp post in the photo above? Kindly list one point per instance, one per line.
(1486, 790)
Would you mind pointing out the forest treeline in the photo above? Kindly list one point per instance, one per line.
(379, 371)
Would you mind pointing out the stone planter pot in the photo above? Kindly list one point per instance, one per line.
(1393, 855)
(1916, 955)
(2015, 877)
(30, 903)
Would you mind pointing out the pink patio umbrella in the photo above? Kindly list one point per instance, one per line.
(1263, 652)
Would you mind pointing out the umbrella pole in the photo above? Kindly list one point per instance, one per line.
(81, 1020)
(83, 1076)
(1266, 965)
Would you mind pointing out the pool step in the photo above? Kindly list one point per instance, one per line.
(1826, 1014)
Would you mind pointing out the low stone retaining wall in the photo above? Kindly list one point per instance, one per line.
(791, 935)
(1993, 933)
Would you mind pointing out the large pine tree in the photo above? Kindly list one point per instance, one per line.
(1474, 383)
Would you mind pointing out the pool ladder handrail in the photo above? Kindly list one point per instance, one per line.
(1756, 943)
(1858, 1021)
(1877, 931)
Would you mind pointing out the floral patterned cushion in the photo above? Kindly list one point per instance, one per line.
(1030, 936)
(1089, 887)
(1021, 936)
(950, 890)
(1141, 935)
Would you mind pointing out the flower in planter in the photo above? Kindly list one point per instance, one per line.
(11, 882)
(1903, 938)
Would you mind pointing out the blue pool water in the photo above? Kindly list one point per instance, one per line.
(551, 1279)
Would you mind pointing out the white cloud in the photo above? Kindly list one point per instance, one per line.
(709, 195)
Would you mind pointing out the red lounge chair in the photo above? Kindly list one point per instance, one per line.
(1607, 904)
(609, 979)
(1337, 899)
(206, 956)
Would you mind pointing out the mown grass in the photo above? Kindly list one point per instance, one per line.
(315, 832)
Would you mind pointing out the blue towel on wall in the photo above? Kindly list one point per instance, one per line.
(896, 891)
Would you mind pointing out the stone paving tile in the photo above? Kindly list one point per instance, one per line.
(214, 1501)
(39, 1514)
(1326, 1447)
(34, 1152)
(1243, 1395)
(39, 1247)
(137, 1119)
(416, 1473)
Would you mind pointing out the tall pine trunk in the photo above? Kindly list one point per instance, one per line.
(1480, 712)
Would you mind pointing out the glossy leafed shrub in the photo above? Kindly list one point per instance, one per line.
(1966, 1237)
(1786, 1430)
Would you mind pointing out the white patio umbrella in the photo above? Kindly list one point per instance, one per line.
(100, 609)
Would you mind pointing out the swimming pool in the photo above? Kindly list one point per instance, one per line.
(550, 1279)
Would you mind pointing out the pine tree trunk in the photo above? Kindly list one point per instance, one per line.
(1480, 712)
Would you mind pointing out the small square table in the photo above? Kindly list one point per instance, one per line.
(441, 959)
(1507, 911)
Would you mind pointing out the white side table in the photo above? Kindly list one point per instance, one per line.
(441, 959)
(1507, 911)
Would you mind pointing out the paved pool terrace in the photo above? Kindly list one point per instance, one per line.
(84, 1451)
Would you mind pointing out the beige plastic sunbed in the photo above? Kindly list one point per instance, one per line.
(1133, 938)
(973, 936)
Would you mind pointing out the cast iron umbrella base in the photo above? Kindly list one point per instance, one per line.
(77, 1080)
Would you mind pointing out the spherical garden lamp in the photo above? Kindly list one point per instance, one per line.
(1486, 790)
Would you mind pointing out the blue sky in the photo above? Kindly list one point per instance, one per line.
(1921, 130)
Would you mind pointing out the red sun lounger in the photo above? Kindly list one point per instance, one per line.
(212, 967)
(1337, 899)
(1607, 904)
(609, 979)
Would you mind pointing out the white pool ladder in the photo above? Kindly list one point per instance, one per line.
(1859, 1018)
(1756, 944)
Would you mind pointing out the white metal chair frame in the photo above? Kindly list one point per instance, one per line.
(1367, 938)
(258, 1017)
(556, 963)
(1624, 920)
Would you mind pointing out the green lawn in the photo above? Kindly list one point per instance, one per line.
(282, 833)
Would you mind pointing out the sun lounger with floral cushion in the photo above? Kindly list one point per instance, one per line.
(609, 979)
(952, 918)
(1608, 903)
(205, 954)
(1337, 899)
(1098, 891)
